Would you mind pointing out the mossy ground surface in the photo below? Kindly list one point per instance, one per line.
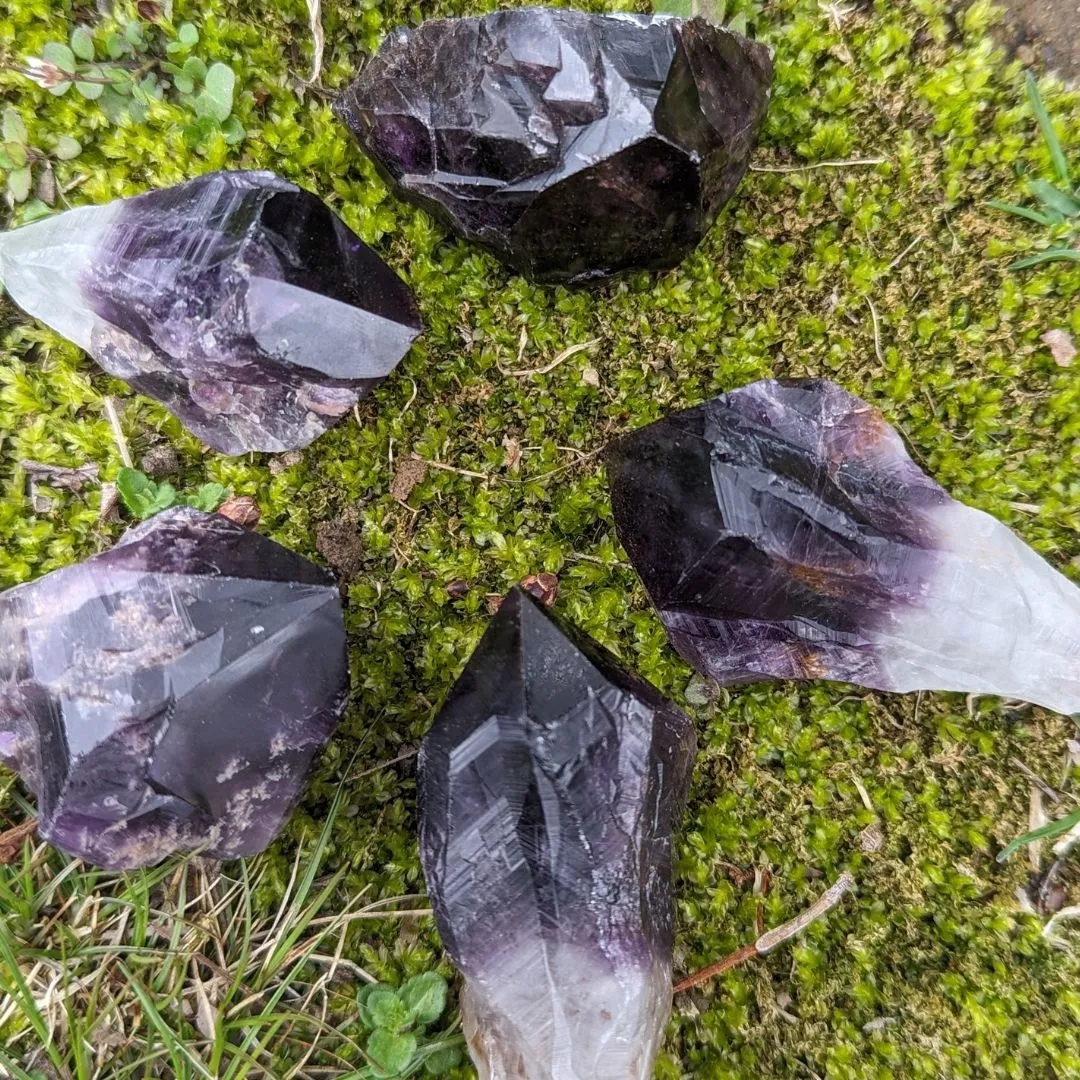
(933, 946)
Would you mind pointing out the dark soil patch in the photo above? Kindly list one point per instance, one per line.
(1051, 28)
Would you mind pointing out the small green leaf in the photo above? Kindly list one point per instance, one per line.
(1053, 143)
(6, 160)
(391, 1053)
(221, 81)
(67, 148)
(209, 107)
(176, 48)
(188, 35)
(16, 152)
(19, 183)
(361, 1003)
(32, 210)
(115, 106)
(194, 68)
(183, 84)
(90, 91)
(387, 1010)
(208, 497)
(56, 52)
(425, 997)
(166, 496)
(82, 43)
(1053, 828)
(116, 46)
(216, 100)
(13, 128)
(1062, 254)
(440, 1062)
(233, 131)
(137, 491)
(133, 31)
(1054, 199)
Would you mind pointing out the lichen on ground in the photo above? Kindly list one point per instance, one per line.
(889, 278)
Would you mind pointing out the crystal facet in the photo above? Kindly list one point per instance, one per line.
(572, 145)
(236, 299)
(172, 692)
(549, 785)
(783, 531)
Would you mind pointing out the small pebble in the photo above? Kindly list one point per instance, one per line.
(160, 461)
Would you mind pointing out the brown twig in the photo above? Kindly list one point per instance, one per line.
(772, 939)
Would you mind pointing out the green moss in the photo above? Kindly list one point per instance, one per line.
(934, 940)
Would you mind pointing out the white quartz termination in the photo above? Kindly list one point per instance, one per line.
(560, 1017)
(41, 266)
(995, 618)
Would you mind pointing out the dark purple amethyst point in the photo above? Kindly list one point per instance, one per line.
(782, 531)
(239, 301)
(171, 694)
(574, 146)
(549, 786)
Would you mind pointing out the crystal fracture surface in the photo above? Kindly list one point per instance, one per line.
(236, 299)
(549, 786)
(572, 145)
(172, 692)
(783, 531)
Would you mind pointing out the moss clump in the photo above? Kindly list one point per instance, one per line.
(933, 954)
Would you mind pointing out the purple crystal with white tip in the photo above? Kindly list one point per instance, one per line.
(573, 145)
(782, 531)
(238, 300)
(549, 786)
(170, 694)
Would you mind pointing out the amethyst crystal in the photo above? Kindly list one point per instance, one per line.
(236, 299)
(574, 146)
(782, 531)
(549, 786)
(170, 693)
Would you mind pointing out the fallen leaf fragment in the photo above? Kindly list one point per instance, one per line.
(544, 586)
(242, 509)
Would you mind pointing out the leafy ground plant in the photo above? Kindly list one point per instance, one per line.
(397, 1021)
(127, 67)
(1059, 204)
(144, 497)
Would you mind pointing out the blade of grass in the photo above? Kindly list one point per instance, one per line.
(1054, 199)
(1052, 828)
(1053, 255)
(179, 1054)
(1053, 143)
(1023, 211)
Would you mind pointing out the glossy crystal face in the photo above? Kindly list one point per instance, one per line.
(574, 146)
(550, 783)
(171, 693)
(782, 531)
(239, 301)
